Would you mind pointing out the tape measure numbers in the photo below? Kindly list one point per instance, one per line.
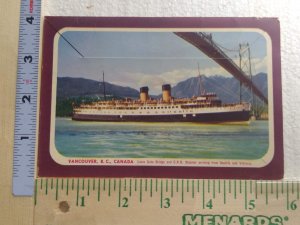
(26, 98)
(165, 201)
(131, 200)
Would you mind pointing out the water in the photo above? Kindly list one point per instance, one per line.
(161, 140)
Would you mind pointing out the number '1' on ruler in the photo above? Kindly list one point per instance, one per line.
(150, 201)
(26, 98)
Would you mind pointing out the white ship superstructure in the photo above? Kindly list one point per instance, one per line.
(206, 108)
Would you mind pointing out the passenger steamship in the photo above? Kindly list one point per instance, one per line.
(205, 108)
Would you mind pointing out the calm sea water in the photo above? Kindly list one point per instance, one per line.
(161, 140)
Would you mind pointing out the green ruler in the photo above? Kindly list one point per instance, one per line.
(165, 201)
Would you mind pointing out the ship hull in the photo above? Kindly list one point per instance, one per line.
(219, 117)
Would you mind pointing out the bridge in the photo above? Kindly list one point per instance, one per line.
(204, 43)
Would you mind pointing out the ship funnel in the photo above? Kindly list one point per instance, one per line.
(144, 94)
(166, 92)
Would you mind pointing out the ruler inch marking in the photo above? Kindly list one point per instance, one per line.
(98, 192)
(130, 187)
(41, 187)
(114, 184)
(245, 196)
(193, 189)
(182, 191)
(187, 186)
(141, 190)
(88, 190)
(214, 189)
(46, 191)
(77, 192)
(297, 190)
(287, 196)
(203, 194)
(109, 180)
(35, 191)
(172, 188)
(234, 189)
(119, 198)
(256, 190)
(272, 188)
(63, 186)
(67, 190)
(267, 191)
(161, 193)
(151, 187)
(240, 186)
(56, 190)
(277, 194)
(224, 190)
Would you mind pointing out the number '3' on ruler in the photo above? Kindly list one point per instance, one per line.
(26, 98)
(138, 201)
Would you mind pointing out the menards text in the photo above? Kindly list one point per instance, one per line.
(199, 219)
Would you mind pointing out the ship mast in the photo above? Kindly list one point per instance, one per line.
(104, 94)
(202, 91)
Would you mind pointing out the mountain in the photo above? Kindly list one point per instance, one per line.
(227, 88)
(78, 87)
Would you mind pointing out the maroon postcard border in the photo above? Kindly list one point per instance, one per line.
(47, 167)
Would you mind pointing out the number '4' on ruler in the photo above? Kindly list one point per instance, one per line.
(26, 98)
(150, 201)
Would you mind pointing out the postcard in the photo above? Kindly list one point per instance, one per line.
(160, 97)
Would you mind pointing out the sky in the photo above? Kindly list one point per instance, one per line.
(137, 59)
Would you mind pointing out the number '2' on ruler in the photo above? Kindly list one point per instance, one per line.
(26, 98)
(133, 201)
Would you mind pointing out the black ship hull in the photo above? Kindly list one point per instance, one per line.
(220, 117)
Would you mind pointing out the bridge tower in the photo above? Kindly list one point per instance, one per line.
(246, 67)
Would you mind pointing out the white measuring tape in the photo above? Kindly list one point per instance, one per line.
(131, 200)
(26, 98)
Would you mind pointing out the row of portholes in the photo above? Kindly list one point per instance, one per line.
(134, 113)
(160, 107)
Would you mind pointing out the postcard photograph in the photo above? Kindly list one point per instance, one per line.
(165, 97)
(155, 94)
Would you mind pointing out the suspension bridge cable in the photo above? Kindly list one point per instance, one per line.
(65, 39)
(227, 91)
